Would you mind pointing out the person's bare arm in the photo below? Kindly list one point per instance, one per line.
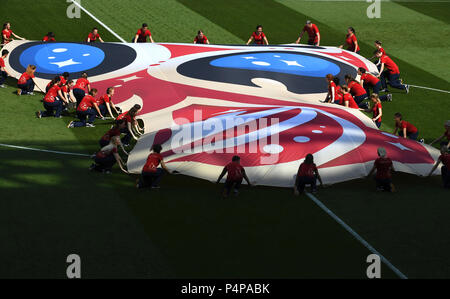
(265, 39)
(371, 171)
(250, 40)
(62, 96)
(163, 165)
(151, 39)
(130, 129)
(114, 107)
(319, 178)
(318, 39)
(300, 36)
(356, 46)
(108, 107)
(136, 38)
(438, 139)
(404, 133)
(98, 110)
(434, 167)
(224, 171)
(346, 103)
(120, 162)
(381, 70)
(395, 130)
(244, 174)
(16, 36)
(380, 113)
(100, 39)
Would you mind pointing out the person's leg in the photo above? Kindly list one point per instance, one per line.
(91, 113)
(383, 79)
(127, 138)
(146, 179)
(367, 88)
(413, 136)
(58, 108)
(30, 85)
(377, 88)
(378, 124)
(227, 188)
(394, 81)
(313, 182)
(237, 186)
(79, 95)
(22, 88)
(3, 77)
(301, 184)
(360, 98)
(445, 176)
(102, 109)
(48, 110)
(387, 185)
(82, 116)
(157, 177)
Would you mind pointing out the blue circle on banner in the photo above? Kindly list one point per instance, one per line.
(288, 63)
(56, 58)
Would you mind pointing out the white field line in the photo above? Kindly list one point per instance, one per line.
(429, 88)
(356, 236)
(43, 150)
(98, 21)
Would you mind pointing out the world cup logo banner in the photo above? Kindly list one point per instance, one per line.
(207, 103)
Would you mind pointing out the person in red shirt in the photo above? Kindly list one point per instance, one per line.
(377, 109)
(142, 34)
(383, 165)
(3, 72)
(347, 98)
(313, 34)
(445, 135)
(105, 103)
(307, 174)
(49, 37)
(258, 36)
(87, 108)
(131, 129)
(26, 84)
(93, 36)
(339, 96)
(114, 131)
(234, 177)
(53, 100)
(445, 169)
(151, 174)
(404, 128)
(357, 91)
(390, 69)
(201, 38)
(378, 47)
(351, 41)
(368, 81)
(107, 156)
(332, 89)
(81, 86)
(7, 32)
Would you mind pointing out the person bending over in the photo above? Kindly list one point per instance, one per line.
(307, 174)
(404, 128)
(351, 41)
(49, 37)
(105, 103)
(446, 135)
(313, 34)
(131, 129)
(347, 98)
(377, 109)
(53, 100)
(234, 177)
(201, 38)
(383, 165)
(87, 109)
(107, 156)
(151, 174)
(357, 91)
(445, 169)
(113, 132)
(26, 84)
(93, 36)
(368, 81)
(80, 88)
(142, 34)
(258, 37)
(389, 69)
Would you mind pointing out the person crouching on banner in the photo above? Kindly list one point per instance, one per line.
(107, 156)
(53, 100)
(85, 110)
(307, 174)
(234, 177)
(105, 103)
(445, 169)
(131, 129)
(113, 132)
(151, 174)
(383, 165)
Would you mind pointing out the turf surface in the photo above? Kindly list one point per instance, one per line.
(51, 206)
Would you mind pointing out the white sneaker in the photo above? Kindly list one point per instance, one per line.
(70, 125)
(89, 125)
(2, 86)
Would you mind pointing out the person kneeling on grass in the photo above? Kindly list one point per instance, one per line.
(234, 178)
(444, 136)
(53, 100)
(445, 169)
(307, 174)
(151, 174)
(131, 129)
(85, 110)
(384, 167)
(404, 128)
(105, 103)
(113, 132)
(26, 84)
(105, 159)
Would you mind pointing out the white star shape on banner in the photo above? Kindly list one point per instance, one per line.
(65, 63)
(292, 62)
(400, 146)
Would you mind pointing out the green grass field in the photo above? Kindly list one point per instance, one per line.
(52, 206)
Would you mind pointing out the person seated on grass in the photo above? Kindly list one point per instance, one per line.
(383, 165)
(87, 109)
(258, 37)
(151, 174)
(368, 81)
(131, 129)
(347, 98)
(331, 95)
(81, 86)
(234, 177)
(390, 70)
(445, 169)
(358, 92)
(105, 103)
(201, 38)
(93, 36)
(114, 131)
(377, 109)
(3, 72)
(107, 156)
(53, 100)
(49, 37)
(142, 34)
(444, 136)
(7, 32)
(26, 84)
(307, 174)
(404, 128)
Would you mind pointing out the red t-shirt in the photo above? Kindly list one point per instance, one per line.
(312, 33)
(383, 52)
(82, 83)
(107, 152)
(2, 62)
(389, 64)
(259, 38)
(103, 99)
(87, 102)
(7, 33)
(125, 116)
(52, 93)
(369, 79)
(330, 89)
(201, 41)
(351, 101)
(375, 111)
(338, 96)
(152, 163)
(356, 89)
(63, 81)
(409, 127)
(111, 133)
(65, 89)
(307, 170)
(93, 37)
(48, 39)
(24, 78)
(143, 35)
(350, 40)
(445, 159)
(383, 166)
(235, 171)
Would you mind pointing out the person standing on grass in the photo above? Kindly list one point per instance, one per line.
(351, 41)
(307, 174)
(49, 37)
(105, 103)
(151, 174)
(313, 34)
(107, 156)
(236, 173)
(357, 91)
(7, 32)
(93, 36)
(347, 98)
(445, 169)
(87, 109)
(404, 128)
(377, 109)
(368, 81)
(114, 131)
(142, 34)
(80, 88)
(131, 124)
(383, 165)
(3, 72)
(53, 100)
(258, 37)
(201, 38)
(26, 84)
(389, 69)
(445, 135)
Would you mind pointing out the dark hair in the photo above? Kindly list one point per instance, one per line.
(352, 29)
(362, 70)
(119, 122)
(66, 75)
(69, 82)
(4, 52)
(54, 81)
(144, 25)
(93, 90)
(336, 80)
(378, 42)
(398, 114)
(309, 159)
(235, 158)
(344, 88)
(258, 26)
(133, 111)
(108, 90)
(349, 77)
(157, 148)
(95, 28)
(329, 77)
(84, 75)
(377, 51)
(5, 25)
(200, 31)
(50, 34)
